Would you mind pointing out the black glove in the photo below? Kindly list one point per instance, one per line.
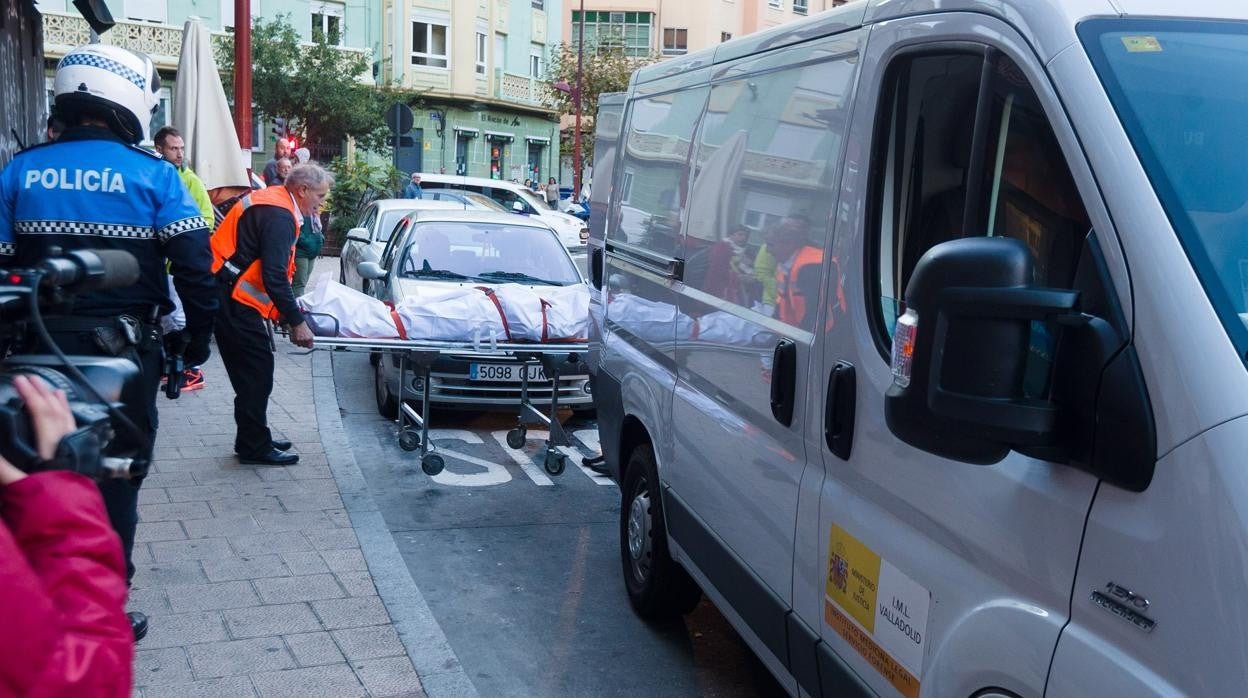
(197, 349)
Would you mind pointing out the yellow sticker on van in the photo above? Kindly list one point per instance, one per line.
(1141, 44)
(879, 610)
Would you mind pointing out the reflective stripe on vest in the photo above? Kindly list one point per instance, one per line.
(249, 283)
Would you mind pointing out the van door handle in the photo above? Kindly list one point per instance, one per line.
(783, 381)
(595, 268)
(839, 408)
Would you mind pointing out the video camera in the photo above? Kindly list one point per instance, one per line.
(94, 385)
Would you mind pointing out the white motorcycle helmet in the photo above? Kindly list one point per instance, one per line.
(119, 86)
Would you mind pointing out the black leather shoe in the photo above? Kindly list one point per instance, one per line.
(138, 623)
(273, 457)
(282, 444)
(597, 464)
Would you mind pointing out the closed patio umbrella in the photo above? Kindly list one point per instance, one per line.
(716, 189)
(202, 114)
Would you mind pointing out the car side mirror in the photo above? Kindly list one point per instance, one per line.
(960, 352)
(358, 235)
(370, 270)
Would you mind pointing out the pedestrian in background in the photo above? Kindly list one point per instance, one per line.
(413, 190)
(253, 256)
(307, 248)
(281, 150)
(284, 166)
(552, 193)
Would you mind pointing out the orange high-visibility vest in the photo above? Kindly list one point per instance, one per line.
(790, 304)
(249, 286)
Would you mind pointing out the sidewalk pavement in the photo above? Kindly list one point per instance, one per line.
(253, 577)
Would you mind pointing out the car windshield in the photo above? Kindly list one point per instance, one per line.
(490, 252)
(1181, 90)
(484, 201)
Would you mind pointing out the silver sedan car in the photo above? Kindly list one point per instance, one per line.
(437, 248)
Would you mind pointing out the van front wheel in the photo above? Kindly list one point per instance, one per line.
(658, 587)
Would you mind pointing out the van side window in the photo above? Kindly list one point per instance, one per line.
(656, 151)
(768, 150)
(933, 186)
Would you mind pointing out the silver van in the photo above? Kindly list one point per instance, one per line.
(924, 343)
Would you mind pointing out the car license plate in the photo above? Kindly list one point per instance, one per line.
(505, 373)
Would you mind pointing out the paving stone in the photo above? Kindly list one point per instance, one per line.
(243, 567)
(217, 475)
(187, 463)
(305, 563)
(237, 657)
(153, 495)
(314, 649)
(312, 465)
(223, 527)
(369, 642)
(243, 505)
(261, 543)
(339, 517)
(141, 555)
(262, 621)
(351, 612)
(272, 489)
(201, 492)
(153, 602)
(185, 629)
(332, 680)
(332, 538)
(357, 583)
(273, 474)
(167, 665)
(344, 560)
(319, 485)
(231, 687)
(149, 531)
(174, 512)
(158, 574)
(163, 479)
(306, 588)
(392, 676)
(197, 549)
(311, 502)
(300, 521)
(211, 597)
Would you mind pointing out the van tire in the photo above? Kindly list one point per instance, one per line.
(658, 587)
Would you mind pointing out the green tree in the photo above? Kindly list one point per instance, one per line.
(605, 68)
(315, 87)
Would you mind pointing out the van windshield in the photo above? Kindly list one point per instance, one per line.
(1181, 90)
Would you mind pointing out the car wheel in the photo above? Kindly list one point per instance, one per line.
(658, 587)
(387, 403)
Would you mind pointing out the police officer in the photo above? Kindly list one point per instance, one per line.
(253, 255)
(95, 188)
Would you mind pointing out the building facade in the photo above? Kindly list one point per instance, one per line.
(479, 64)
(677, 27)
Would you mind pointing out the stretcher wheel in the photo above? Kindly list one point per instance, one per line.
(516, 437)
(432, 464)
(555, 462)
(409, 440)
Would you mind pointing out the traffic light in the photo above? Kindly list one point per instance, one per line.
(280, 129)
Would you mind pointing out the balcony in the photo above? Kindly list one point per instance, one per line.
(521, 89)
(64, 32)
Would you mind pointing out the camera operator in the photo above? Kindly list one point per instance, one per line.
(95, 188)
(64, 631)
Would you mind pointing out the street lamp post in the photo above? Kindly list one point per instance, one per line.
(576, 137)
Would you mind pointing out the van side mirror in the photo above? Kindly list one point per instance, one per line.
(960, 352)
(358, 235)
(370, 270)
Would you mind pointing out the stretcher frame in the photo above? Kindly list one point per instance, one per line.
(417, 357)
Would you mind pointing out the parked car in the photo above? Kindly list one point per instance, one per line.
(365, 242)
(974, 422)
(481, 249)
(572, 231)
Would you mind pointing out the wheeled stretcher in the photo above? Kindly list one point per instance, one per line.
(416, 359)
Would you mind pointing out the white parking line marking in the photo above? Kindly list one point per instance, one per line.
(523, 460)
(495, 473)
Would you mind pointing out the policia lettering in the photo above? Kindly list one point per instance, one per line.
(77, 180)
